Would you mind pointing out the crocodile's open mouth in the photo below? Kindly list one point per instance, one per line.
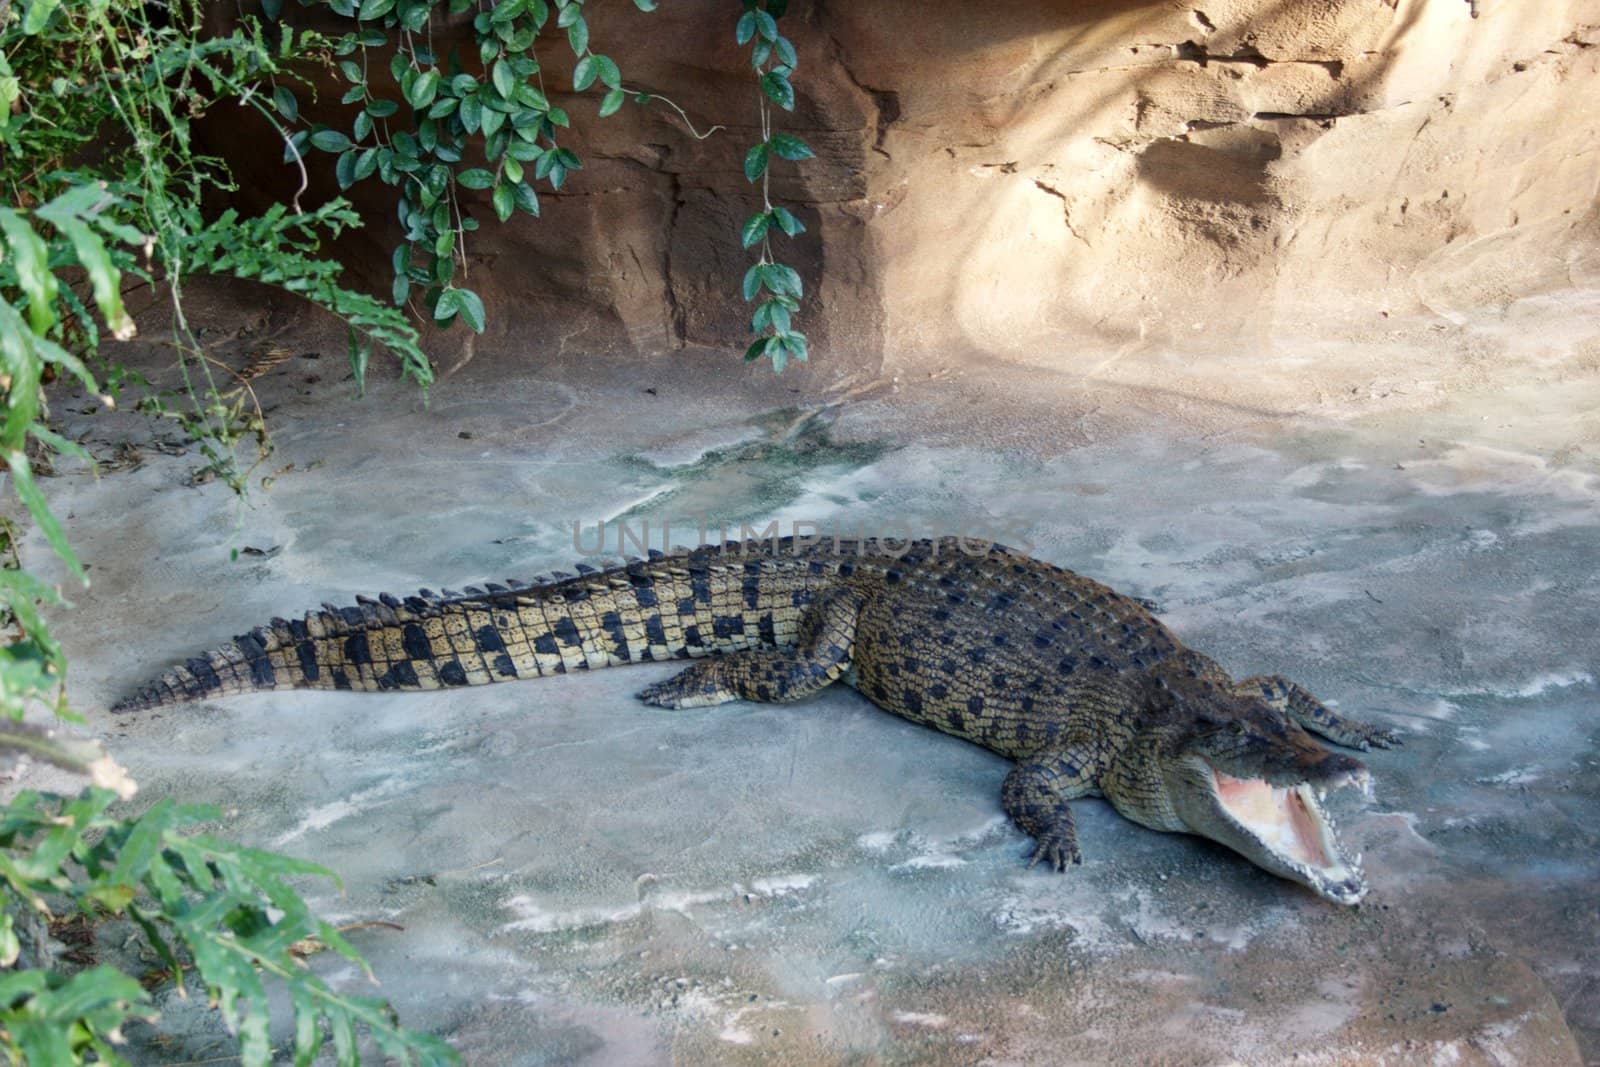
(1291, 826)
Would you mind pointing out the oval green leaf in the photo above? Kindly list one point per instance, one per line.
(505, 80)
(330, 141)
(578, 35)
(424, 89)
(284, 100)
(448, 305)
(755, 228)
(787, 222)
(778, 89)
(344, 171)
(471, 309)
(755, 161)
(585, 73)
(504, 202)
(788, 146)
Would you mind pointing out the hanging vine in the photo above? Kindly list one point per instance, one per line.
(774, 60)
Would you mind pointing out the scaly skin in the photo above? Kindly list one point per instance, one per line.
(1083, 687)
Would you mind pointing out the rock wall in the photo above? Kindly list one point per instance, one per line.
(1101, 187)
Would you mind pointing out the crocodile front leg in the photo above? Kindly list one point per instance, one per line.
(1298, 703)
(772, 676)
(1035, 795)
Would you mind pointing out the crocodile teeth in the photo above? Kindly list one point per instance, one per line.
(1290, 825)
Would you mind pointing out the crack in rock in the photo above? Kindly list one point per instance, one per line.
(1066, 209)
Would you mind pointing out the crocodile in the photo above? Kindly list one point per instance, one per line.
(1083, 687)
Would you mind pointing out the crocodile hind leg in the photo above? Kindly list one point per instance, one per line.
(771, 675)
(1294, 701)
(1035, 795)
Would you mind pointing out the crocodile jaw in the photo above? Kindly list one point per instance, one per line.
(1286, 830)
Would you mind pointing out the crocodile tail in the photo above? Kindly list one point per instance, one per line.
(657, 609)
(434, 640)
(387, 643)
(249, 663)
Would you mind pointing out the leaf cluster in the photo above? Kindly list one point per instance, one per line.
(133, 78)
(77, 226)
(477, 120)
(67, 233)
(223, 913)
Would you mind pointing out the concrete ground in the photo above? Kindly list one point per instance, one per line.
(585, 880)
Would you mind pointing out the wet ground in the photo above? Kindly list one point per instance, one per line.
(585, 880)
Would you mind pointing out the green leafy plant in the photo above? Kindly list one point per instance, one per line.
(142, 74)
(70, 66)
(477, 122)
(79, 224)
(774, 59)
(224, 913)
(32, 666)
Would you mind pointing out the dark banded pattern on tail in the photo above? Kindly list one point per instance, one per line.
(715, 599)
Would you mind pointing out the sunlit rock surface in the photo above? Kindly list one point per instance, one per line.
(1141, 190)
(583, 879)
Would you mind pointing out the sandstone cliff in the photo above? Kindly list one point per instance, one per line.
(1295, 192)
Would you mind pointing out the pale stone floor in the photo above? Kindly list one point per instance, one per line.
(585, 880)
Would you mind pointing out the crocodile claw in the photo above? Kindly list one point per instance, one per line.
(661, 694)
(1369, 737)
(1388, 738)
(1058, 851)
(700, 686)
